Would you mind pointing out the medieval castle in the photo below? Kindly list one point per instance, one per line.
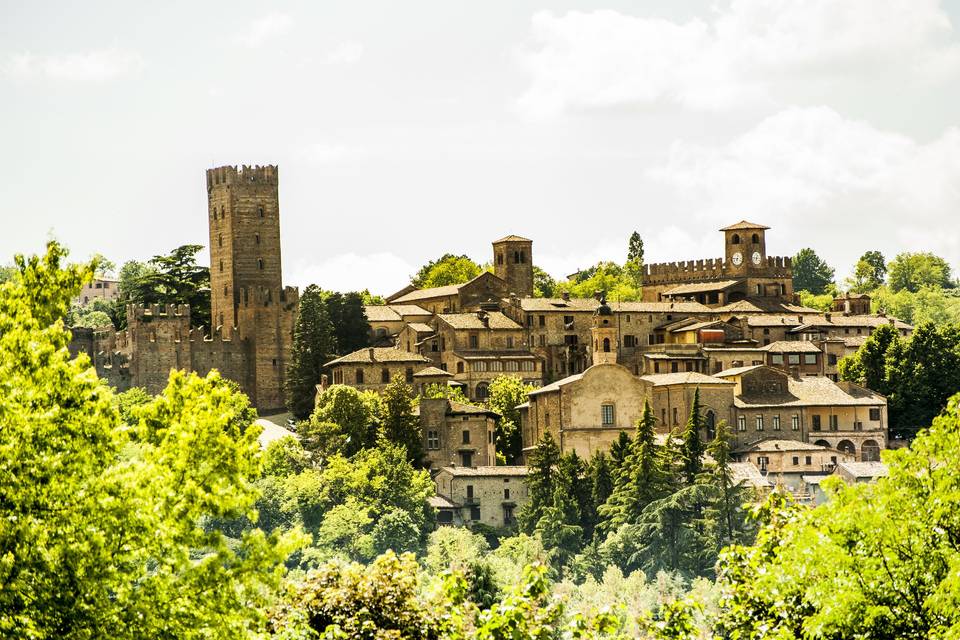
(253, 312)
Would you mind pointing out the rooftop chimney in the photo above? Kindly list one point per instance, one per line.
(565, 296)
(372, 357)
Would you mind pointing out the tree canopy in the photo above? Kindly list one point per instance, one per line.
(445, 270)
(913, 271)
(810, 272)
(314, 344)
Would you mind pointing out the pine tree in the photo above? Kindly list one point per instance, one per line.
(601, 479)
(692, 444)
(619, 451)
(399, 424)
(727, 497)
(541, 480)
(561, 525)
(572, 478)
(313, 345)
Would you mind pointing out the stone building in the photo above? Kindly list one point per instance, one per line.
(491, 496)
(769, 402)
(852, 304)
(513, 263)
(99, 289)
(457, 434)
(746, 271)
(454, 298)
(673, 394)
(786, 462)
(252, 311)
(373, 368)
(388, 320)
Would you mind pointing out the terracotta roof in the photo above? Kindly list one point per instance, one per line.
(432, 372)
(743, 224)
(813, 391)
(736, 371)
(782, 444)
(495, 320)
(764, 305)
(440, 502)
(512, 238)
(426, 294)
(674, 356)
(686, 377)
(864, 469)
(420, 327)
(516, 354)
(512, 471)
(791, 346)
(696, 326)
(851, 321)
(660, 307)
(460, 407)
(701, 287)
(854, 341)
(379, 354)
(559, 304)
(381, 313)
(779, 320)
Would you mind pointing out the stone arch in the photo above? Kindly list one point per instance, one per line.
(735, 238)
(847, 447)
(870, 451)
(606, 345)
(755, 239)
(822, 443)
(483, 390)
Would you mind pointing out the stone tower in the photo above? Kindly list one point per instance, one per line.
(244, 214)
(746, 247)
(604, 332)
(513, 263)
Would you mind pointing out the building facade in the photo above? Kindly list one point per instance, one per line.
(491, 496)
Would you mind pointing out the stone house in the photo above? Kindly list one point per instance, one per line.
(488, 495)
(454, 298)
(457, 434)
(372, 368)
(99, 289)
(785, 462)
(673, 394)
(387, 320)
(802, 357)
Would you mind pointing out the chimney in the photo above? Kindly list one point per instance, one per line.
(565, 296)
(827, 316)
(597, 295)
(372, 357)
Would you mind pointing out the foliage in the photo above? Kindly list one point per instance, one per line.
(693, 448)
(810, 272)
(93, 544)
(285, 457)
(349, 319)
(869, 273)
(506, 392)
(454, 393)
(398, 423)
(175, 278)
(541, 482)
(928, 304)
(610, 277)
(344, 421)
(912, 271)
(822, 302)
(128, 401)
(90, 319)
(634, 264)
(445, 270)
(314, 344)
(544, 286)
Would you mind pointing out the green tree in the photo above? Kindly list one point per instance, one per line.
(314, 344)
(541, 482)
(868, 366)
(810, 272)
(911, 271)
(601, 479)
(175, 278)
(454, 393)
(399, 424)
(344, 421)
(285, 457)
(692, 443)
(869, 272)
(446, 270)
(95, 544)
(349, 319)
(544, 286)
(603, 276)
(634, 264)
(506, 392)
(128, 402)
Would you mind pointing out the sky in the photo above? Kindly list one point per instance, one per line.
(405, 130)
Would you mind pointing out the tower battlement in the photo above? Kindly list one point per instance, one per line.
(149, 312)
(710, 269)
(266, 297)
(266, 174)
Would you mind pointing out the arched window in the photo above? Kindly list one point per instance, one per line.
(755, 239)
(847, 447)
(257, 236)
(221, 265)
(499, 258)
(460, 367)
(822, 443)
(222, 212)
(225, 292)
(735, 239)
(483, 390)
(523, 257)
(516, 257)
(260, 210)
(606, 345)
(381, 332)
(870, 451)
(220, 240)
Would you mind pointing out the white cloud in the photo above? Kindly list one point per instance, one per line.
(92, 66)
(840, 184)
(750, 53)
(259, 31)
(355, 272)
(344, 53)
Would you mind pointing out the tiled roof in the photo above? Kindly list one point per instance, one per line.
(555, 386)
(854, 341)
(812, 391)
(420, 327)
(660, 307)
(747, 473)
(460, 407)
(686, 377)
(495, 320)
(701, 287)
(777, 320)
(500, 471)
(781, 444)
(764, 305)
(674, 356)
(440, 502)
(559, 304)
(791, 346)
(430, 372)
(851, 321)
(736, 371)
(381, 313)
(378, 354)
(512, 238)
(410, 310)
(743, 224)
(427, 294)
(696, 326)
(515, 354)
(864, 469)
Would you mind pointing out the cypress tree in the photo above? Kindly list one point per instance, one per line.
(313, 345)
(693, 448)
(541, 481)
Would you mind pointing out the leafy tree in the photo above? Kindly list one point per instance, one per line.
(810, 272)
(349, 319)
(506, 392)
(619, 452)
(541, 482)
(91, 320)
(314, 344)
(822, 302)
(544, 286)
(285, 457)
(726, 497)
(446, 270)
(559, 527)
(911, 271)
(869, 272)
(692, 443)
(454, 393)
(7, 273)
(371, 299)
(604, 276)
(344, 421)
(399, 424)
(601, 478)
(929, 304)
(128, 402)
(175, 278)
(868, 366)
(95, 544)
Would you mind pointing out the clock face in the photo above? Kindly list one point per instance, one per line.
(756, 257)
(737, 258)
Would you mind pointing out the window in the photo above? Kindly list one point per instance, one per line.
(475, 513)
(445, 516)
(809, 358)
(793, 358)
(506, 494)
(762, 462)
(759, 423)
(831, 359)
(735, 239)
(499, 258)
(466, 459)
(834, 423)
(815, 423)
(796, 460)
(874, 413)
(433, 440)
(606, 415)
(384, 375)
(543, 340)
(359, 376)
(474, 341)
(759, 290)
(496, 365)
(408, 374)
(221, 265)
(469, 492)
(568, 323)
(629, 341)
(219, 243)
(226, 292)
(858, 426)
(260, 263)
(511, 365)
(489, 437)
(808, 460)
(676, 416)
(509, 342)
(542, 320)
(741, 423)
(466, 436)
(766, 332)
(606, 345)
(776, 358)
(260, 211)
(663, 416)
(776, 422)
(795, 422)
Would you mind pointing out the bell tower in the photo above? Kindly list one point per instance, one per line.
(513, 263)
(745, 247)
(604, 334)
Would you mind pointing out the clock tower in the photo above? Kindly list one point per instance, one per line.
(746, 247)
